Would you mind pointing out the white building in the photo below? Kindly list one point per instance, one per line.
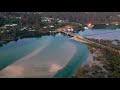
(45, 27)
(31, 30)
(51, 26)
(10, 25)
(23, 28)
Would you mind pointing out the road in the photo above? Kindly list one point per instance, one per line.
(85, 40)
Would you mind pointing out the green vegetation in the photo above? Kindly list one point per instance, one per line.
(104, 26)
(113, 64)
(4, 21)
(81, 73)
(107, 57)
(20, 25)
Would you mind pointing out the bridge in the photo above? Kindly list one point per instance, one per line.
(87, 41)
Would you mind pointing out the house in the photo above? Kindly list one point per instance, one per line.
(31, 30)
(70, 29)
(24, 28)
(12, 25)
(45, 27)
(51, 26)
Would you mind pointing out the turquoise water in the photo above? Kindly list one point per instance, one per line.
(71, 68)
(13, 51)
(44, 57)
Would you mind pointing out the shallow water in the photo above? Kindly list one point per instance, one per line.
(42, 57)
(101, 34)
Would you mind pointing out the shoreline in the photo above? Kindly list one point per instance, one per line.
(89, 59)
(98, 64)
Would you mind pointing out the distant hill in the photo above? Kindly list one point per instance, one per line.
(82, 17)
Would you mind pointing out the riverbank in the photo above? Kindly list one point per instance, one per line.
(71, 68)
(89, 59)
(101, 63)
(92, 68)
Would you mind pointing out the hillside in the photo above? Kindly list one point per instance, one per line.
(84, 17)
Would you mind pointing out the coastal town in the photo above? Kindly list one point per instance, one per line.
(104, 55)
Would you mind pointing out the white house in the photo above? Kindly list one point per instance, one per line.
(51, 26)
